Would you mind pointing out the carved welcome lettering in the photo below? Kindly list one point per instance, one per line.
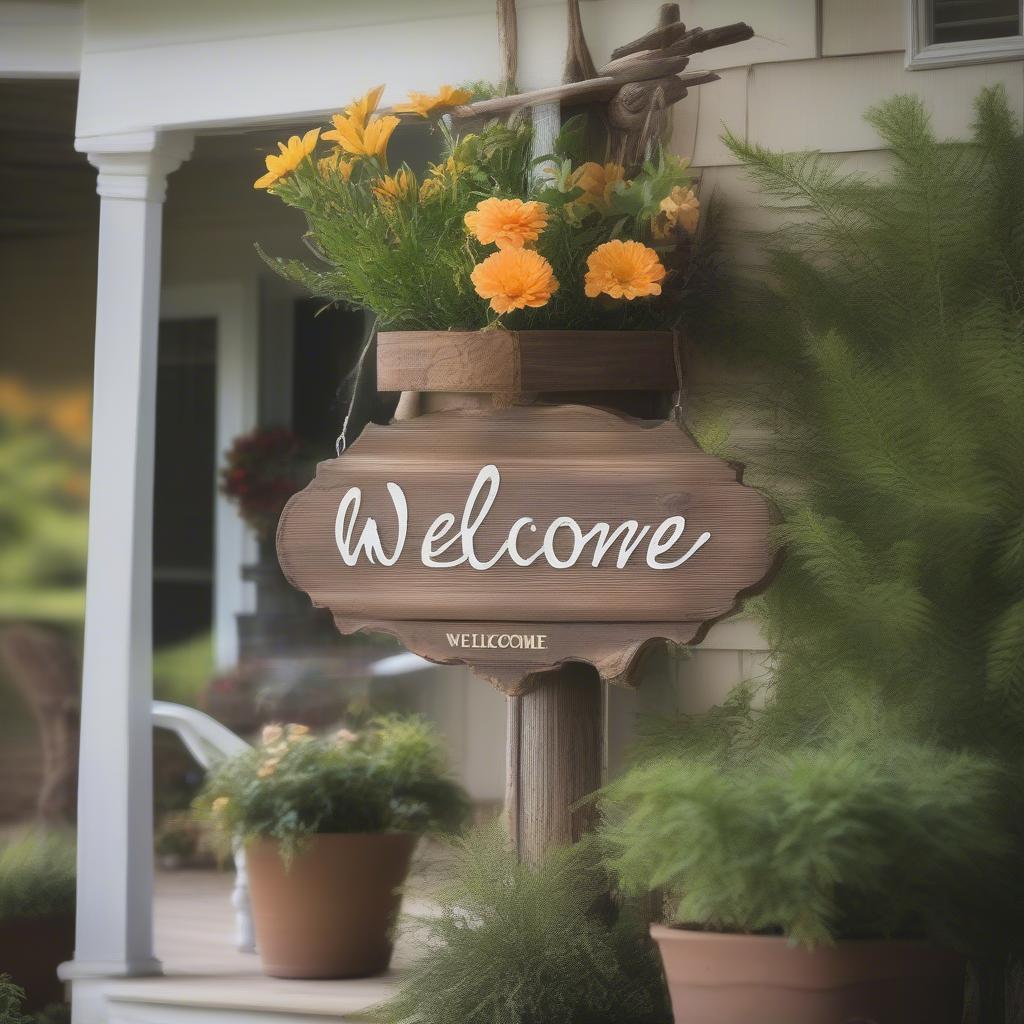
(514, 540)
(439, 538)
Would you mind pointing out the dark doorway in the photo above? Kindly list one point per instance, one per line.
(184, 488)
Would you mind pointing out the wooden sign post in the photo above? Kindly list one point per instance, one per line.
(544, 546)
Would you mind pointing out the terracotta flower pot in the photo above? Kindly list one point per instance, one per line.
(736, 979)
(31, 949)
(329, 913)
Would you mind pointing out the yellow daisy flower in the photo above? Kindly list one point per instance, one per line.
(508, 223)
(425, 105)
(360, 110)
(392, 189)
(291, 156)
(514, 279)
(360, 139)
(451, 168)
(430, 188)
(598, 182)
(623, 270)
(335, 164)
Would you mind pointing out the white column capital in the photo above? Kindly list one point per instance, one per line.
(135, 165)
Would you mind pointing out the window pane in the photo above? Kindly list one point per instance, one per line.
(957, 21)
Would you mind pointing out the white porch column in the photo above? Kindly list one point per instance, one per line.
(114, 935)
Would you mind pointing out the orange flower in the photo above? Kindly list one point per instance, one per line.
(391, 189)
(70, 416)
(598, 183)
(425, 105)
(354, 136)
(16, 401)
(509, 223)
(623, 270)
(291, 156)
(360, 110)
(335, 164)
(680, 208)
(513, 279)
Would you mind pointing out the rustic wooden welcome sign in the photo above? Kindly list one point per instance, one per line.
(515, 540)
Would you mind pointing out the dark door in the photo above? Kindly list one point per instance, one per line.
(185, 484)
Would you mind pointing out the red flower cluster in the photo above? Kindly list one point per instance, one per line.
(262, 471)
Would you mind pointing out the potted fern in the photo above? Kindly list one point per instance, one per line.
(329, 826)
(527, 943)
(839, 848)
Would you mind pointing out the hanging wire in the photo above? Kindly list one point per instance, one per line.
(679, 399)
(341, 442)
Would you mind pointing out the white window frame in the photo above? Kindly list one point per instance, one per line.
(921, 55)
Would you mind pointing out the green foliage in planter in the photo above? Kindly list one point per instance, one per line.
(400, 247)
(866, 833)
(880, 789)
(37, 875)
(391, 776)
(12, 999)
(512, 944)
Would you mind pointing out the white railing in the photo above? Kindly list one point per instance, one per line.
(208, 742)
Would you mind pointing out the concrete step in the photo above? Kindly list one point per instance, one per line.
(198, 999)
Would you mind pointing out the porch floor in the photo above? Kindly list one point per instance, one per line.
(194, 926)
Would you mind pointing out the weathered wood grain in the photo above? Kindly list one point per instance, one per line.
(668, 30)
(553, 761)
(516, 361)
(592, 465)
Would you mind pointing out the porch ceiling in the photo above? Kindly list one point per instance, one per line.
(45, 186)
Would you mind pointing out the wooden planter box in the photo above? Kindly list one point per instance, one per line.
(512, 362)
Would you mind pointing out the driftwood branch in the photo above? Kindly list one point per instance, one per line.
(696, 40)
(644, 66)
(724, 35)
(594, 89)
(602, 88)
(508, 43)
(639, 84)
(579, 65)
(669, 29)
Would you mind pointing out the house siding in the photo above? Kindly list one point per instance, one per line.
(804, 81)
(786, 96)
